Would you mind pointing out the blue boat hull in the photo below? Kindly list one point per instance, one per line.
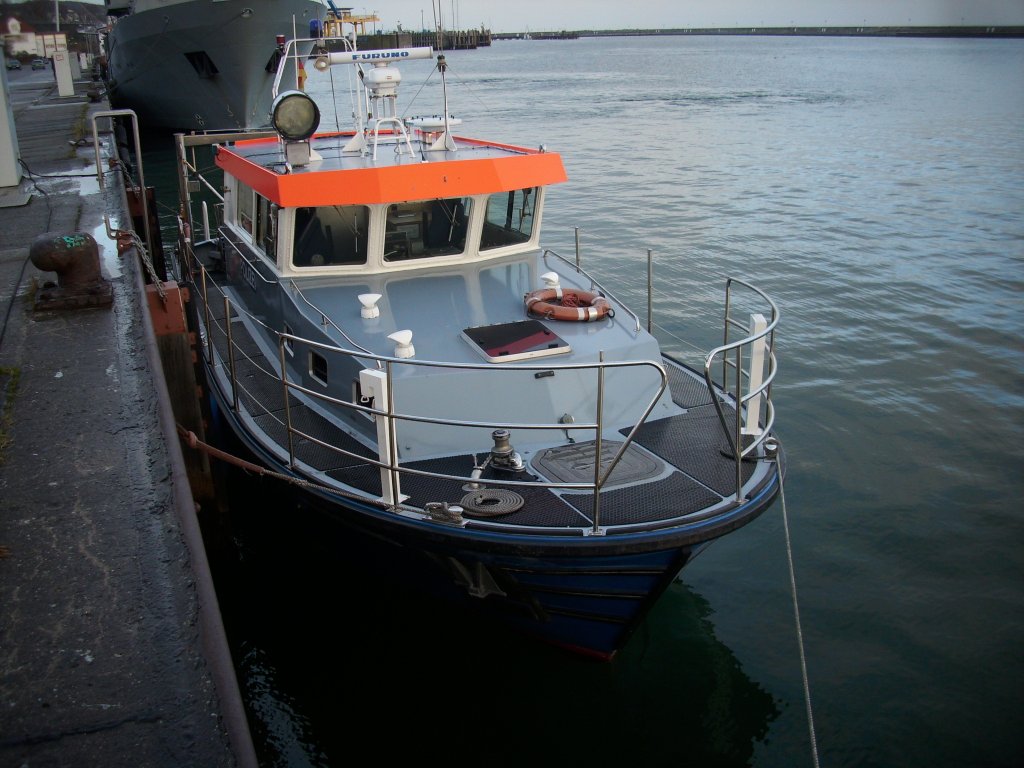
(585, 594)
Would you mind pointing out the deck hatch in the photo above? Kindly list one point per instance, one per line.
(521, 340)
(574, 463)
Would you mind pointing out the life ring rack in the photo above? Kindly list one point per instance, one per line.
(568, 304)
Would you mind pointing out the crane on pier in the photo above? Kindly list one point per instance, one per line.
(340, 16)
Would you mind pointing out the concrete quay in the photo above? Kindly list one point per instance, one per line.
(112, 652)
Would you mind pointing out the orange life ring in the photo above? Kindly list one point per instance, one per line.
(568, 304)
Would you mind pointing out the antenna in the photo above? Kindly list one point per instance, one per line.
(435, 6)
(380, 84)
(442, 66)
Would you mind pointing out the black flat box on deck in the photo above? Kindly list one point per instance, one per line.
(521, 340)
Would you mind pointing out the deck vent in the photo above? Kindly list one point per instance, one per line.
(403, 343)
(369, 301)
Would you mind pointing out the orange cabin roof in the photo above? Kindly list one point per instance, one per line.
(348, 179)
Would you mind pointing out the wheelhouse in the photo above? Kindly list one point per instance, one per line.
(352, 238)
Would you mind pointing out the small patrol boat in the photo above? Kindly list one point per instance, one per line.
(381, 324)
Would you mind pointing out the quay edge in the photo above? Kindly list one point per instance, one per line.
(112, 649)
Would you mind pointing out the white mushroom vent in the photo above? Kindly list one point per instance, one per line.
(550, 279)
(403, 343)
(369, 302)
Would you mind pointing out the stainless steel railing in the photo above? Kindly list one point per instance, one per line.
(593, 281)
(739, 384)
(738, 357)
(746, 363)
(211, 292)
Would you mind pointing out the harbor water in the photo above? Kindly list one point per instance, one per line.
(875, 189)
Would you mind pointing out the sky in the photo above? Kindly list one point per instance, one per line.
(550, 15)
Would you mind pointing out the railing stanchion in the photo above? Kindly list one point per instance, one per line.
(737, 432)
(282, 351)
(752, 422)
(597, 441)
(725, 330)
(231, 354)
(376, 385)
(396, 490)
(759, 338)
(209, 321)
(650, 290)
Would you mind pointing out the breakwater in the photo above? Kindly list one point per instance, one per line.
(478, 38)
(817, 31)
(448, 40)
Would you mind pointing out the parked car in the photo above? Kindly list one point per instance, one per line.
(13, 64)
(40, 64)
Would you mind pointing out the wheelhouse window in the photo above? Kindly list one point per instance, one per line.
(509, 218)
(330, 236)
(245, 207)
(426, 228)
(266, 226)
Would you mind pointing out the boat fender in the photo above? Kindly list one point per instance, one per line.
(568, 304)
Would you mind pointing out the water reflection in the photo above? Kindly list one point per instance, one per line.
(333, 665)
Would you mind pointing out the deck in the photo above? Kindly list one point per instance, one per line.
(698, 472)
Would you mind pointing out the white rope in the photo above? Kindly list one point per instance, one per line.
(799, 630)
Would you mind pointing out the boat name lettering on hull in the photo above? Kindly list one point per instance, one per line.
(248, 273)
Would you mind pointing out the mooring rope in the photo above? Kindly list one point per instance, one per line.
(799, 629)
(147, 262)
(192, 441)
